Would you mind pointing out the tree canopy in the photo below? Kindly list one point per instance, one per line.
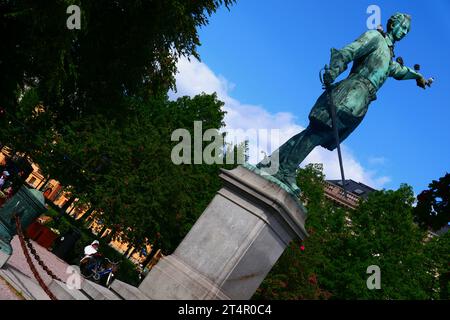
(433, 206)
(127, 172)
(125, 48)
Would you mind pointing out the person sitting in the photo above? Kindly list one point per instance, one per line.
(92, 248)
(91, 255)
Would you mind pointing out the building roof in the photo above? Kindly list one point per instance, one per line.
(357, 188)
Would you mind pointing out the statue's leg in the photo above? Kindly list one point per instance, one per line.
(296, 149)
(292, 153)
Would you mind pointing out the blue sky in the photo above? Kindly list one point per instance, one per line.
(268, 54)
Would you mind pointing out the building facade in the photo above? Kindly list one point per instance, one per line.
(353, 194)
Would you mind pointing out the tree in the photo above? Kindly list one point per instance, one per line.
(127, 172)
(344, 243)
(51, 77)
(437, 252)
(90, 106)
(386, 236)
(433, 206)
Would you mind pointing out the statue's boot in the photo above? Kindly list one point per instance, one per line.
(289, 178)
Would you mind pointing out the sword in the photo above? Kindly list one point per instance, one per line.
(326, 87)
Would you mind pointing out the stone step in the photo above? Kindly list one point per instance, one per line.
(62, 292)
(127, 291)
(98, 292)
(23, 284)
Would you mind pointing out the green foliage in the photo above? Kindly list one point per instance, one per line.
(127, 172)
(437, 252)
(433, 207)
(56, 81)
(343, 243)
(384, 234)
(124, 48)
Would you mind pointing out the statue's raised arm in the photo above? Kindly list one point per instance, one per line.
(340, 59)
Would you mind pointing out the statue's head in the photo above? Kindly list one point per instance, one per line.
(399, 25)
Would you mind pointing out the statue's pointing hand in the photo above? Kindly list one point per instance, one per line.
(421, 81)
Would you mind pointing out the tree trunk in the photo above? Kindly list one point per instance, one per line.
(67, 205)
(149, 256)
(129, 251)
(70, 211)
(87, 215)
(109, 237)
(102, 231)
(89, 224)
(40, 187)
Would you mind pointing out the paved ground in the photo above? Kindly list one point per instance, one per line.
(6, 293)
(18, 261)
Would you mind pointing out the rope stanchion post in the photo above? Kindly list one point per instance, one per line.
(36, 274)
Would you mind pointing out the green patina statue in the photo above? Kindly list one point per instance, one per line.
(372, 55)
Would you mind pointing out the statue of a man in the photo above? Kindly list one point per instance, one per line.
(372, 55)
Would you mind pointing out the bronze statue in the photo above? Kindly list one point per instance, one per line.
(372, 55)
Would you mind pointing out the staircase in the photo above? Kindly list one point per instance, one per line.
(29, 288)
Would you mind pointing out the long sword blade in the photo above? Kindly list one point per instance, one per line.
(335, 129)
(336, 137)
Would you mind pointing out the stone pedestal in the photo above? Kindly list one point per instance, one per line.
(234, 243)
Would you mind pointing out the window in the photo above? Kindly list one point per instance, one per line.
(358, 191)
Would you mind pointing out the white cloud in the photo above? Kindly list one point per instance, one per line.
(377, 160)
(195, 77)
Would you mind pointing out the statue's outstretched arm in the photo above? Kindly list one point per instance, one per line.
(362, 46)
(399, 72)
